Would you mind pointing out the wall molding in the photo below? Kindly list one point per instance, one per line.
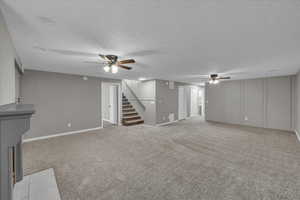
(60, 134)
(106, 120)
(166, 123)
(297, 134)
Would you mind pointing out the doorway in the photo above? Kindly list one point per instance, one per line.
(113, 104)
(110, 94)
(197, 101)
(201, 101)
(182, 103)
(194, 102)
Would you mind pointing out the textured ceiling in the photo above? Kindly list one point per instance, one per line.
(170, 39)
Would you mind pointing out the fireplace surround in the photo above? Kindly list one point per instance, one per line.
(14, 122)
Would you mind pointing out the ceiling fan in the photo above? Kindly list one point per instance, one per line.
(215, 78)
(112, 64)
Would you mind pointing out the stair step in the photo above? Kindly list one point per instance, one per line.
(129, 113)
(130, 118)
(128, 110)
(133, 122)
(127, 106)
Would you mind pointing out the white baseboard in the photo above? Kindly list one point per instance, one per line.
(61, 134)
(166, 123)
(148, 125)
(298, 135)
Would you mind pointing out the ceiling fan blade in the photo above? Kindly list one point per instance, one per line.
(224, 77)
(124, 67)
(126, 61)
(103, 57)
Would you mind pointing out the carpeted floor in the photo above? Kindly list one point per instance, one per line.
(189, 160)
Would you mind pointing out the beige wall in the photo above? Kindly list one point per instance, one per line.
(7, 65)
(60, 99)
(263, 102)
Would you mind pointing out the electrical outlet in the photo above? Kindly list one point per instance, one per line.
(246, 118)
(69, 124)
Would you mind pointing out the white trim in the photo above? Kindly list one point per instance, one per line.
(298, 135)
(166, 123)
(119, 123)
(107, 120)
(148, 125)
(61, 134)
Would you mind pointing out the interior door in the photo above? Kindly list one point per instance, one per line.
(201, 101)
(194, 102)
(113, 104)
(182, 104)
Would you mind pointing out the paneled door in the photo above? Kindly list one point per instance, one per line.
(194, 102)
(113, 104)
(182, 103)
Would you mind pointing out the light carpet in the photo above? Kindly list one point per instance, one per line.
(189, 160)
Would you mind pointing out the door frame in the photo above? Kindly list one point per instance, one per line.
(113, 98)
(184, 102)
(192, 114)
(202, 90)
(119, 121)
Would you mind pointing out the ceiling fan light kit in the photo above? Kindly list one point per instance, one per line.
(213, 82)
(215, 79)
(112, 64)
(114, 69)
(106, 68)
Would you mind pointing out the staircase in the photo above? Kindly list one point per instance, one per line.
(130, 115)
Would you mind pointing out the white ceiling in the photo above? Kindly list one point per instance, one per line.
(169, 39)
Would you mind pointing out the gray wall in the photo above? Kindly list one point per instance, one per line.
(105, 99)
(60, 99)
(257, 102)
(7, 65)
(145, 91)
(17, 83)
(297, 103)
(158, 98)
(167, 100)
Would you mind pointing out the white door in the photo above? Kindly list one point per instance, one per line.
(113, 104)
(201, 101)
(182, 104)
(194, 102)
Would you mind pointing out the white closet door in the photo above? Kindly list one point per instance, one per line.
(113, 101)
(182, 104)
